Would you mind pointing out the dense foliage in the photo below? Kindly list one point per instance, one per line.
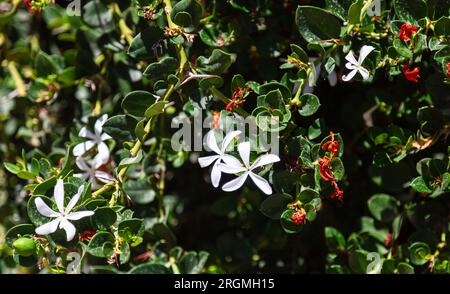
(90, 183)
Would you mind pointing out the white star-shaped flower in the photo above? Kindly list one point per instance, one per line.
(63, 216)
(220, 157)
(94, 139)
(247, 170)
(90, 171)
(356, 65)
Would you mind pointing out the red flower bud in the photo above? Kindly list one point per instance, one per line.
(299, 217)
(411, 75)
(331, 145)
(86, 235)
(406, 31)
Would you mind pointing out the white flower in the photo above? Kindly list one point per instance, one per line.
(61, 218)
(94, 139)
(247, 169)
(221, 156)
(356, 65)
(90, 171)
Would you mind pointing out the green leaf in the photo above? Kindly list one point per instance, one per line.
(145, 44)
(442, 26)
(330, 64)
(358, 261)
(187, 13)
(402, 49)
(155, 109)
(404, 268)
(161, 69)
(309, 104)
(163, 232)
(101, 245)
(383, 207)
(287, 224)
(274, 205)
(18, 231)
(419, 252)
(103, 218)
(301, 54)
(96, 14)
(45, 65)
(136, 102)
(339, 7)
(43, 187)
(193, 263)
(140, 191)
(420, 185)
(338, 168)
(316, 129)
(284, 181)
(354, 12)
(306, 195)
(410, 10)
(130, 229)
(120, 127)
(316, 24)
(35, 216)
(12, 168)
(149, 268)
(217, 63)
(334, 238)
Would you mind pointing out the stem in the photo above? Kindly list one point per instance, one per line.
(180, 51)
(148, 127)
(124, 29)
(20, 85)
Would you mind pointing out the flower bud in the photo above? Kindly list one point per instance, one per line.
(24, 246)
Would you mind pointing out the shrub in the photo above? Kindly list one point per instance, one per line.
(343, 166)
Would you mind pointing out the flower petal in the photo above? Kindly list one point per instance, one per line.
(264, 160)
(79, 214)
(81, 163)
(48, 228)
(105, 137)
(364, 73)
(350, 57)
(211, 142)
(82, 148)
(244, 152)
(103, 153)
(262, 183)
(85, 133)
(350, 75)
(58, 194)
(103, 177)
(74, 199)
(207, 160)
(216, 174)
(228, 139)
(83, 176)
(365, 50)
(98, 128)
(231, 161)
(235, 184)
(350, 66)
(44, 209)
(230, 169)
(69, 228)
